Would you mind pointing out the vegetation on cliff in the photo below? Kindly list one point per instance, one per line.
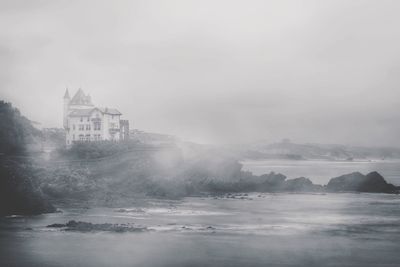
(16, 131)
(19, 191)
(167, 173)
(163, 173)
(93, 150)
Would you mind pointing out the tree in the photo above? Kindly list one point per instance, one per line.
(15, 130)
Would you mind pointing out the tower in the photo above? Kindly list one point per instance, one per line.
(67, 99)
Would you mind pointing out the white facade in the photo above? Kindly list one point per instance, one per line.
(85, 122)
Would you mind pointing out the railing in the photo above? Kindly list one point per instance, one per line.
(114, 130)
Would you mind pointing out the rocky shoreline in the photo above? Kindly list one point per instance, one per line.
(269, 183)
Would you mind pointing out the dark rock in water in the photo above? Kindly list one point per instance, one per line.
(79, 226)
(301, 184)
(273, 178)
(376, 183)
(347, 182)
(277, 183)
(270, 182)
(357, 182)
(56, 225)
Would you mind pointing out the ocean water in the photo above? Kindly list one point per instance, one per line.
(320, 171)
(254, 230)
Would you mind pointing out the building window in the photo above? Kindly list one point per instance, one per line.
(73, 127)
(81, 137)
(87, 126)
(73, 137)
(88, 119)
(81, 119)
(87, 137)
(81, 127)
(97, 126)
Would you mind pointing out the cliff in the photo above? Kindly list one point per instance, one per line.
(19, 193)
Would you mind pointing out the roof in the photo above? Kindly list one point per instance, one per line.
(81, 99)
(81, 112)
(88, 112)
(111, 111)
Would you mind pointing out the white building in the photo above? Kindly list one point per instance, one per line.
(85, 122)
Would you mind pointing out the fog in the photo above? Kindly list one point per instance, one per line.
(212, 71)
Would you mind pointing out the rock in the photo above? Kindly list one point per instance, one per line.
(357, 182)
(79, 226)
(270, 182)
(347, 182)
(301, 184)
(273, 182)
(273, 178)
(56, 225)
(376, 183)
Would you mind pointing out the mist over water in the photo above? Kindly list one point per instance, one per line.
(258, 230)
(300, 88)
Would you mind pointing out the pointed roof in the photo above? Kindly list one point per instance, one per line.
(81, 99)
(66, 95)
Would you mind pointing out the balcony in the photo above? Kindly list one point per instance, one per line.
(113, 130)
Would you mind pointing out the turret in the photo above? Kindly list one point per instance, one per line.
(89, 99)
(67, 99)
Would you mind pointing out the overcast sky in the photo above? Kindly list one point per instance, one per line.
(212, 71)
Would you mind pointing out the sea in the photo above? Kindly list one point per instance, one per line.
(256, 229)
(321, 171)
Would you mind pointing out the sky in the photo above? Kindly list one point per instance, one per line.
(212, 71)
